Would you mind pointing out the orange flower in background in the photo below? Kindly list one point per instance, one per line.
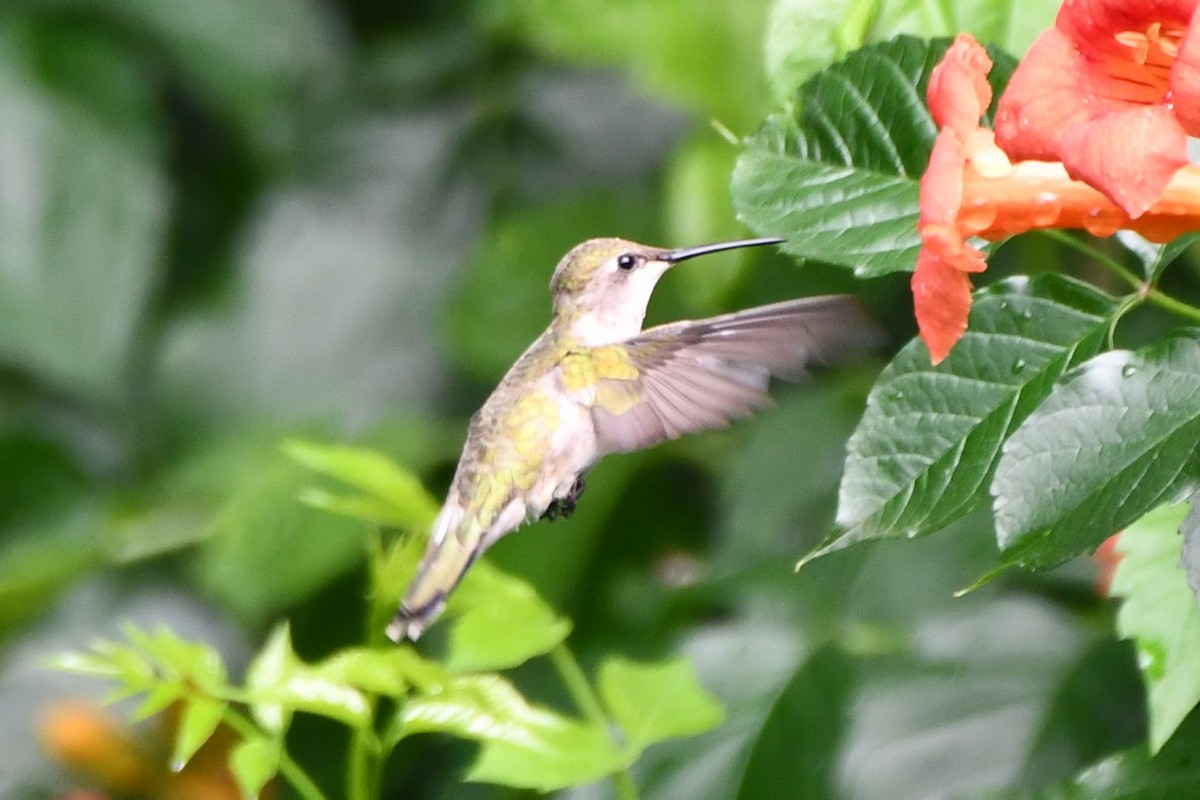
(1106, 558)
(973, 188)
(107, 755)
(1112, 91)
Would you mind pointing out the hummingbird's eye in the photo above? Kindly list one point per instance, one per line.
(626, 261)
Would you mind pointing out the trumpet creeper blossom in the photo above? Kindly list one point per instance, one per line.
(1112, 91)
(973, 189)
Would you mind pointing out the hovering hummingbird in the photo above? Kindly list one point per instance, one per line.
(595, 383)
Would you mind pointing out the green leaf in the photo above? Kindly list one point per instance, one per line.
(524, 746)
(839, 177)
(777, 494)
(696, 209)
(501, 622)
(1113, 440)
(280, 683)
(196, 663)
(804, 37)
(266, 551)
(957, 715)
(1156, 257)
(708, 57)
(1097, 710)
(307, 689)
(787, 761)
(1160, 614)
(200, 719)
(405, 501)
(84, 218)
(655, 702)
(253, 63)
(253, 762)
(388, 671)
(1190, 558)
(39, 557)
(268, 669)
(927, 446)
(1134, 775)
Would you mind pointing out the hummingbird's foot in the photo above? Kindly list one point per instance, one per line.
(563, 507)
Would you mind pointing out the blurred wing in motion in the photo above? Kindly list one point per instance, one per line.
(696, 375)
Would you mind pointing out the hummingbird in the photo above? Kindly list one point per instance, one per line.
(595, 383)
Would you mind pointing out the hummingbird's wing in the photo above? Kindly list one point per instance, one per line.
(695, 375)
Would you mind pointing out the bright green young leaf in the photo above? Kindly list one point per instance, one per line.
(924, 453)
(579, 754)
(389, 671)
(175, 659)
(306, 689)
(1160, 614)
(405, 501)
(655, 702)
(159, 698)
(280, 683)
(522, 745)
(838, 176)
(200, 719)
(1115, 438)
(273, 662)
(253, 762)
(501, 622)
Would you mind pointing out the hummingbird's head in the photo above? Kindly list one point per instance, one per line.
(602, 287)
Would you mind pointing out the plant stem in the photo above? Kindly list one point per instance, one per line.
(585, 699)
(362, 768)
(1101, 258)
(292, 772)
(1169, 303)
(577, 685)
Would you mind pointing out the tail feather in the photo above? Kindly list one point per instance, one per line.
(451, 550)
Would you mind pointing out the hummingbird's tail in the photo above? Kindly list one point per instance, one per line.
(452, 547)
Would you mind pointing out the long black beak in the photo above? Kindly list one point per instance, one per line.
(683, 254)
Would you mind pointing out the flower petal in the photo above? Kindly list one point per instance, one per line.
(1130, 156)
(959, 92)
(1096, 25)
(1185, 79)
(942, 183)
(941, 302)
(1053, 90)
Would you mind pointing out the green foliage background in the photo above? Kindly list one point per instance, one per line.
(227, 223)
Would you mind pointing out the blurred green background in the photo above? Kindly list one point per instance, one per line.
(224, 222)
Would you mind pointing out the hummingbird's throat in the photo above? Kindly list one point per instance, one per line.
(606, 326)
